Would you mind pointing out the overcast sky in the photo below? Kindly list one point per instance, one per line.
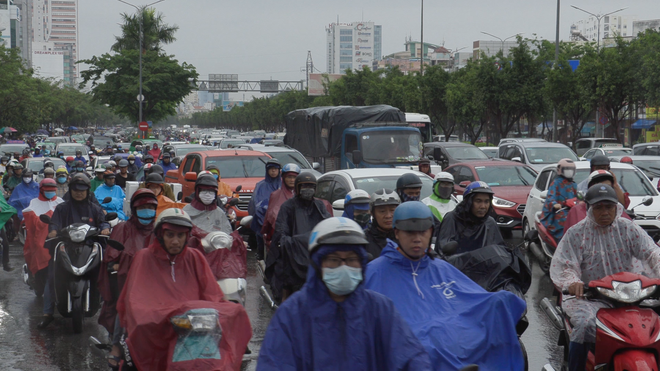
(263, 39)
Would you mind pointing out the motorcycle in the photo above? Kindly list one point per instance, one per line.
(628, 334)
(496, 268)
(543, 245)
(77, 256)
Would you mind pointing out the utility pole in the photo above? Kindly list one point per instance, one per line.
(554, 110)
(309, 66)
(421, 64)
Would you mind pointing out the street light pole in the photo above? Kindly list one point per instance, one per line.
(554, 110)
(421, 65)
(598, 18)
(140, 97)
(501, 40)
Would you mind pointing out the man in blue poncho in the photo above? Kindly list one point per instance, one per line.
(356, 207)
(166, 163)
(561, 189)
(27, 190)
(109, 189)
(333, 322)
(457, 321)
(259, 202)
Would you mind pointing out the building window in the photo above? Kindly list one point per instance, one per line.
(346, 32)
(345, 66)
(346, 45)
(345, 38)
(346, 52)
(345, 59)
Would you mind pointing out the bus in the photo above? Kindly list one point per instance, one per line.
(423, 123)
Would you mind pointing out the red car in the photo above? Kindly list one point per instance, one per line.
(511, 181)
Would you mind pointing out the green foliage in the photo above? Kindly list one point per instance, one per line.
(155, 30)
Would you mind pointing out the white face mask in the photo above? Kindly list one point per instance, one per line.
(568, 174)
(207, 197)
(27, 180)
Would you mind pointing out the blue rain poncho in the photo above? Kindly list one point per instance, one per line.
(310, 331)
(167, 167)
(117, 203)
(22, 195)
(457, 321)
(259, 202)
(560, 190)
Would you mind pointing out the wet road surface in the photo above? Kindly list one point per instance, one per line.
(24, 347)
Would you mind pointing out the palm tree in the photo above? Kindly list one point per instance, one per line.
(155, 31)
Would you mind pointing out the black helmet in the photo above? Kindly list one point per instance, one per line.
(206, 179)
(4, 158)
(304, 178)
(154, 179)
(18, 166)
(80, 182)
(78, 152)
(408, 180)
(157, 169)
(600, 160)
(600, 192)
(27, 173)
(273, 162)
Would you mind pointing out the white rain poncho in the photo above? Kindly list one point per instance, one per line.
(590, 252)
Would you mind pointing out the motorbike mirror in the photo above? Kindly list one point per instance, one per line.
(246, 221)
(238, 188)
(357, 157)
(190, 176)
(544, 195)
(187, 199)
(647, 200)
(464, 184)
(107, 200)
(110, 216)
(450, 248)
(116, 245)
(44, 218)
(233, 202)
(532, 235)
(580, 195)
(179, 196)
(338, 204)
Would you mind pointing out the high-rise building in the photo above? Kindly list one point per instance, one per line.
(610, 27)
(353, 46)
(54, 29)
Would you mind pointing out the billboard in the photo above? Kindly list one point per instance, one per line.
(227, 105)
(364, 42)
(48, 64)
(316, 80)
(223, 82)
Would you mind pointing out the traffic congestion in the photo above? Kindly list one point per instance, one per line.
(362, 242)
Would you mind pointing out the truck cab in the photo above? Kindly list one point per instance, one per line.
(381, 146)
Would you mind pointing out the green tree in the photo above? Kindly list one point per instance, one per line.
(464, 99)
(155, 31)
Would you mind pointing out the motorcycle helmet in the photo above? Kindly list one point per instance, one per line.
(477, 187)
(154, 179)
(408, 180)
(412, 216)
(69, 159)
(48, 183)
(598, 176)
(62, 170)
(79, 182)
(565, 165)
(384, 197)
(26, 152)
(357, 196)
(157, 169)
(18, 166)
(78, 153)
(443, 177)
(336, 231)
(112, 163)
(49, 171)
(138, 148)
(109, 174)
(304, 178)
(599, 160)
(27, 173)
(626, 160)
(143, 196)
(49, 163)
(4, 159)
(600, 192)
(206, 179)
(166, 155)
(123, 163)
(273, 162)
(174, 219)
(131, 157)
(148, 158)
(60, 153)
(290, 168)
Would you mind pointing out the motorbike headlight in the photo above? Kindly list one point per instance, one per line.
(500, 202)
(77, 235)
(231, 215)
(627, 292)
(206, 322)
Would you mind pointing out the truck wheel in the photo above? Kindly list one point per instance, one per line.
(77, 315)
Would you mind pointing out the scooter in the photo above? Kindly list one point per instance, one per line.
(545, 245)
(77, 257)
(628, 334)
(234, 288)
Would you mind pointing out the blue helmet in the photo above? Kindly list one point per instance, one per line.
(412, 216)
(291, 168)
(477, 187)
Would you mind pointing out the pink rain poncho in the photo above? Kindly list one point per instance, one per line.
(590, 252)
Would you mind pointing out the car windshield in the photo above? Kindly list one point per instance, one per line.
(466, 153)
(71, 150)
(182, 151)
(290, 157)
(497, 176)
(234, 142)
(36, 166)
(50, 146)
(102, 141)
(549, 155)
(239, 166)
(631, 180)
(490, 152)
(11, 148)
(650, 167)
(382, 147)
(374, 183)
(617, 152)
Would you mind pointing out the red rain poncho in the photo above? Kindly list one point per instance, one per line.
(36, 255)
(156, 290)
(225, 263)
(275, 201)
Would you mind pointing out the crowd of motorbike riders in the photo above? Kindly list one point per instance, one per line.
(395, 283)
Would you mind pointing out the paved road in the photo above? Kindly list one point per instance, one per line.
(24, 347)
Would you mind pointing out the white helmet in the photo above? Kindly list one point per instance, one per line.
(174, 216)
(336, 231)
(384, 197)
(357, 196)
(444, 176)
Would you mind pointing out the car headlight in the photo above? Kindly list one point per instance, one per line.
(500, 202)
(627, 292)
(77, 235)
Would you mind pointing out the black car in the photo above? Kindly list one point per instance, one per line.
(451, 153)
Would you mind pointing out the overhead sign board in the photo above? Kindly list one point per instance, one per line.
(223, 82)
(269, 86)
